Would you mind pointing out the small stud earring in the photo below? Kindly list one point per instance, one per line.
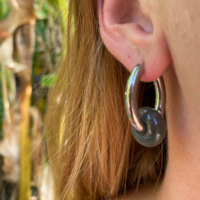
(147, 124)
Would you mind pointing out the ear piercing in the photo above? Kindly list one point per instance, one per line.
(147, 124)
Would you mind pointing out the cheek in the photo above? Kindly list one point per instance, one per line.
(180, 20)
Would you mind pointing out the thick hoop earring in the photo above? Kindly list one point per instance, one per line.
(147, 124)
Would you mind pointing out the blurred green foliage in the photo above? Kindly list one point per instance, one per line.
(1, 105)
(48, 45)
(47, 54)
(49, 28)
(48, 80)
(43, 10)
(5, 9)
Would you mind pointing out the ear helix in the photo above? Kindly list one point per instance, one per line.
(147, 124)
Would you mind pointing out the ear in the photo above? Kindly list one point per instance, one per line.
(133, 34)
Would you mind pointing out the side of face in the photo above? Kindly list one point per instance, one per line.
(180, 20)
(155, 33)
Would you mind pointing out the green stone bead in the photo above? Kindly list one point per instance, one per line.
(155, 127)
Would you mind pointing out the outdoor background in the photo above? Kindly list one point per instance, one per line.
(31, 33)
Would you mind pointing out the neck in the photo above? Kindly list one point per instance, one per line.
(181, 180)
(183, 170)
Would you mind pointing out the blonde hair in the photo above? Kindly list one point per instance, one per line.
(91, 149)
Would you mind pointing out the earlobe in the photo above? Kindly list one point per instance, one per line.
(133, 34)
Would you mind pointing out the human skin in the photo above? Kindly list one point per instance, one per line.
(164, 36)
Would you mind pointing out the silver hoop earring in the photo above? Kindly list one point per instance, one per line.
(147, 124)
